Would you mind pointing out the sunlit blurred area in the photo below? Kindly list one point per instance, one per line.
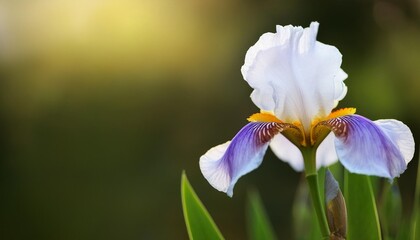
(103, 103)
(62, 44)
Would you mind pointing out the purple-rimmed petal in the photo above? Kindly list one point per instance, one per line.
(370, 148)
(224, 164)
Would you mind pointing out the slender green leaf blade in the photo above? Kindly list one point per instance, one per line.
(390, 210)
(305, 222)
(259, 226)
(199, 223)
(321, 182)
(415, 224)
(363, 220)
(404, 230)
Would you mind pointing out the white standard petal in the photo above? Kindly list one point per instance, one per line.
(293, 75)
(287, 152)
(340, 90)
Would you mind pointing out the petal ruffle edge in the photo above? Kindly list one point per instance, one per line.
(326, 154)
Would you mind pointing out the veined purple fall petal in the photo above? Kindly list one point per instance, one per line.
(371, 148)
(224, 164)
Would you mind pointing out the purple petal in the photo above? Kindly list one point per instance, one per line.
(364, 147)
(224, 164)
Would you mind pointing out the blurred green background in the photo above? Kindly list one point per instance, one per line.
(104, 102)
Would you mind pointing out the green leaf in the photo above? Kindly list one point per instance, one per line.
(321, 182)
(416, 226)
(415, 222)
(390, 210)
(199, 223)
(305, 222)
(259, 226)
(363, 221)
(404, 230)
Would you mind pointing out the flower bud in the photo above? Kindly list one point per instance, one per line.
(335, 206)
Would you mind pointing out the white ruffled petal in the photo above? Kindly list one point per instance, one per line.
(293, 75)
(287, 152)
(325, 154)
(339, 86)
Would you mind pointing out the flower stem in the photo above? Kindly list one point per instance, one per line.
(312, 179)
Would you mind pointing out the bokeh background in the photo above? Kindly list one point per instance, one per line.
(103, 103)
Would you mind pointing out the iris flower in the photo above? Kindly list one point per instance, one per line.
(297, 83)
